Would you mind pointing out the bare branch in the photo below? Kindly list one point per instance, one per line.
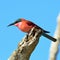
(54, 45)
(27, 45)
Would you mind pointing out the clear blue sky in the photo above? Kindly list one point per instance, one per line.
(41, 12)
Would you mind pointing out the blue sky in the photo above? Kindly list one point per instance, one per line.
(41, 12)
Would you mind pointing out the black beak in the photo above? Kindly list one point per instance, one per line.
(19, 20)
(11, 24)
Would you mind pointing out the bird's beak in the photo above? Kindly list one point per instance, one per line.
(11, 24)
(19, 20)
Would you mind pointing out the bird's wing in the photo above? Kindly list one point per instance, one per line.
(32, 24)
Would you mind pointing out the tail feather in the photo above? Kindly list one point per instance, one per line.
(49, 37)
(46, 31)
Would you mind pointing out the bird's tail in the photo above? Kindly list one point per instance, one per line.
(46, 31)
(49, 37)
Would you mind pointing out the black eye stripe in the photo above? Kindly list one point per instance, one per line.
(19, 20)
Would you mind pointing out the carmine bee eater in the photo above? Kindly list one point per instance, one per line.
(25, 26)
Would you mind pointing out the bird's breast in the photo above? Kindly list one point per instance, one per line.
(24, 27)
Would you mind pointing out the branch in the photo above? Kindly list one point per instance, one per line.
(27, 45)
(54, 45)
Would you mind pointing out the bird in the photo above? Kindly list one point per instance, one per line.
(26, 25)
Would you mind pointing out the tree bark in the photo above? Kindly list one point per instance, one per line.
(27, 45)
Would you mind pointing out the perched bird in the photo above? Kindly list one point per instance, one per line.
(25, 26)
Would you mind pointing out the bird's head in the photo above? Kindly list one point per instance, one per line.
(17, 21)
